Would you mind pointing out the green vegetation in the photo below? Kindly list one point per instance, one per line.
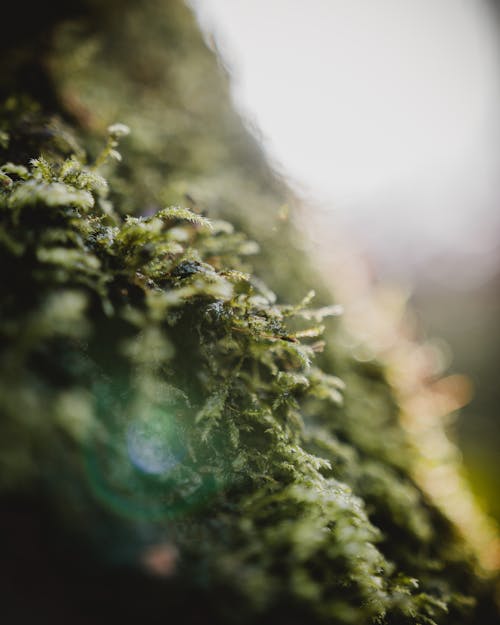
(156, 395)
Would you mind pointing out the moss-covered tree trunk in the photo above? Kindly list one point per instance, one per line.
(175, 439)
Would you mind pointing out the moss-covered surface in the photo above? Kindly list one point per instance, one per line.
(186, 436)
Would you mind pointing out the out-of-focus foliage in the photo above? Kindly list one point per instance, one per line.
(379, 326)
(154, 393)
(468, 320)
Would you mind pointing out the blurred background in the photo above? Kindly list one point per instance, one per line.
(384, 115)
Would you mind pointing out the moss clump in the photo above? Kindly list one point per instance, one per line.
(179, 432)
(143, 363)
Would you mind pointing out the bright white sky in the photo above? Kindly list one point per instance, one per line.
(383, 110)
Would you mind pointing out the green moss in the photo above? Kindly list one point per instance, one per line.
(142, 359)
(155, 391)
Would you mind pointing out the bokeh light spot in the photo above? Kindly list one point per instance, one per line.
(153, 444)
